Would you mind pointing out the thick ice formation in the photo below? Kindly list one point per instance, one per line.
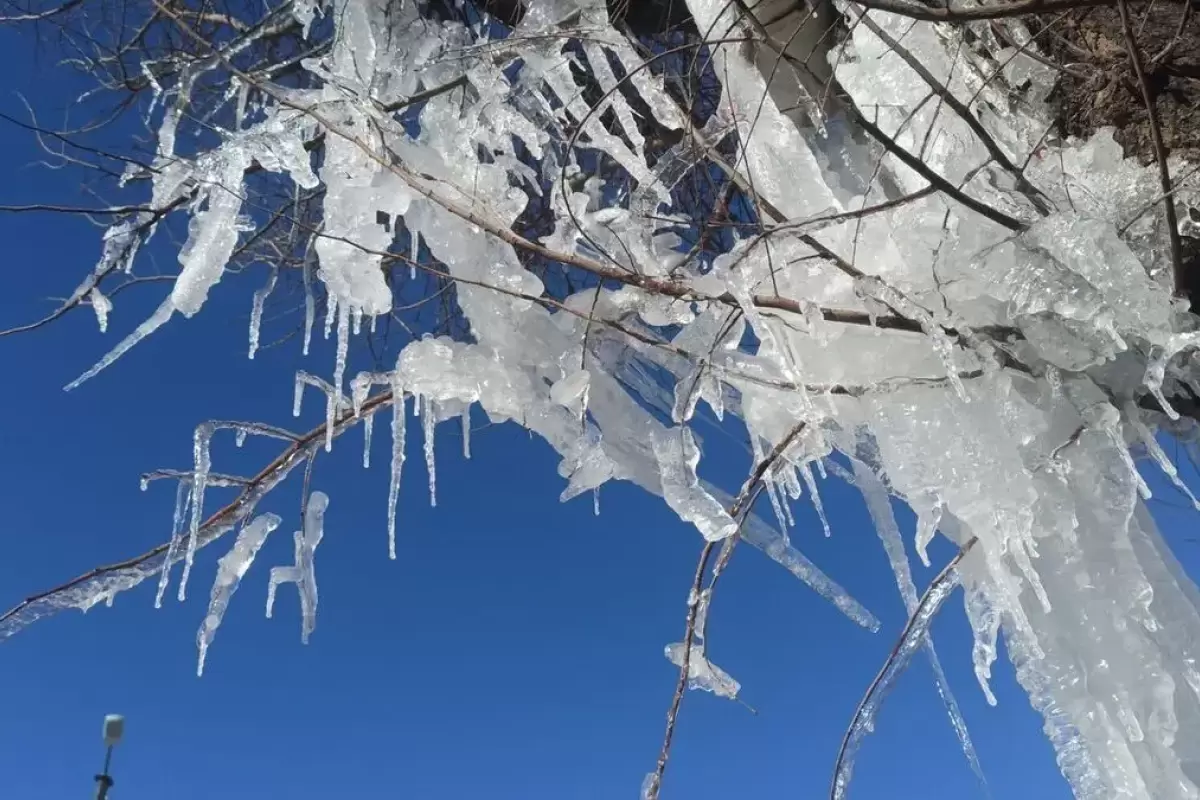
(702, 673)
(230, 570)
(303, 572)
(989, 369)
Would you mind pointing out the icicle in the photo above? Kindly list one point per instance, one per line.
(398, 426)
(1157, 453)
(428, 420)
(791, 484)
(811, 483)
(1156, 372)
(1119, 442)
(243, 94)
(183, 493)
(702, 673)
(1106, 419)
(256, 308)
(773, 495)
(687, 394)
(144, 483)
(339, 374)
(596, 501)
(159, 318)
(414, 246)
(203, 463)
(368, 426)
(356, 316)
(239, 437)
(331, 309)
(102, 306)
(303, 574)
(360, 387)
(466, 432)
(757, 533)
(929, 516)
(984, 619)
(310, 304)
(230, 570)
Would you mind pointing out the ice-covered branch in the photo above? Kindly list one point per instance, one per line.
(911, 639)
(104, 582)
(861, 241)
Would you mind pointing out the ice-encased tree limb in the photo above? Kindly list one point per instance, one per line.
(1001, 357)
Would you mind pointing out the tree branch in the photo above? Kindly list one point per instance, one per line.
(1160, 152)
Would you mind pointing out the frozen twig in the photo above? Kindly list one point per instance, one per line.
(908, 643)
(739, 510)
(1160, 150)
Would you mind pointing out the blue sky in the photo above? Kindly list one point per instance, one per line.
(514, 650)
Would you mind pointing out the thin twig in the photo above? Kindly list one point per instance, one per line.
(654, 782)
(958, 107)
(1160, 151)
(986, 11)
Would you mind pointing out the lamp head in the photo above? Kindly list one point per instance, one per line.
(114, 726)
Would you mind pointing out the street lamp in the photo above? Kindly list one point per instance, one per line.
(114, 726)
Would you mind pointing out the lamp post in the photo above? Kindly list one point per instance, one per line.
(114, 726)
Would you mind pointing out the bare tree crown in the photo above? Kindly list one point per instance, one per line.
(872, 230)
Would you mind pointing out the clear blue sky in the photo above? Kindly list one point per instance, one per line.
(514, 650)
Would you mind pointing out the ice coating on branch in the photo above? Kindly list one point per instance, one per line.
(216, 222)
(879, 506)
(230, 570)
(678, 456)
(915, 636)
(702, 673)
(303, 572)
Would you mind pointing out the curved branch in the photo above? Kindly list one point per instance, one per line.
(910, 639)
